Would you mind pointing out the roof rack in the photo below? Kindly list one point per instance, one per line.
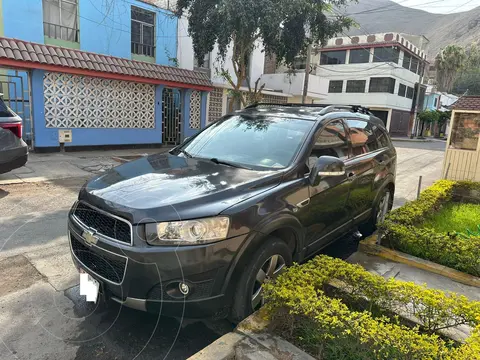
(325, 108)
(353, 108)
(255, 105)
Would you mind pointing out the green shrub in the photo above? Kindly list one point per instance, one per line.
(301, 311)
(400, 230)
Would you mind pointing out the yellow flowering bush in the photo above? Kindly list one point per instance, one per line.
(400, 230)
(360, 322)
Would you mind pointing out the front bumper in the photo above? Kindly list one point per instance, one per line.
(147, 277)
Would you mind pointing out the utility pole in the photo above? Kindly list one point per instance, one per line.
(413, 119)
(307, 73)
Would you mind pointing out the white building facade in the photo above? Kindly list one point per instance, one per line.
(218, 103)
(379, 71)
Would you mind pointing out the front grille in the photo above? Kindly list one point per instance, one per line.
(106, 267)
(103, 224)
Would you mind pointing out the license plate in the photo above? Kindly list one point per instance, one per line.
(89, 287)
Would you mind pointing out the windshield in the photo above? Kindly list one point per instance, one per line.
(255, 142)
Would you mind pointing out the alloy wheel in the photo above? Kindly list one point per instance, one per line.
(269, 270)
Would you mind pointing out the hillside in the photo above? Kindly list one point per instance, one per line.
(385, 15)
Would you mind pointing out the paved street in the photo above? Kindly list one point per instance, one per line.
(42, 316)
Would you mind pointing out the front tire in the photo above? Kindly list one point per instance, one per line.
(266, 263)
(381, 208)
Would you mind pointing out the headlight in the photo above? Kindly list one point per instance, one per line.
(188, 232)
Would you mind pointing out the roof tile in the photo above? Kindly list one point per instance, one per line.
(21, 46)
(72, 58)
(9, 53)
(26, 56)
(41, 58)
(13, 44)
(468, 103)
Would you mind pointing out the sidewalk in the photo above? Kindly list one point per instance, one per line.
(53, 166)
(428, 139)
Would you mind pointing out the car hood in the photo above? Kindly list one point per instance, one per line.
(164, 187)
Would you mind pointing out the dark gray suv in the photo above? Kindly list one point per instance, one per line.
(196, 231)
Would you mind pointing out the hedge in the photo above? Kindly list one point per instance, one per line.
(400, 230)
(342, 328)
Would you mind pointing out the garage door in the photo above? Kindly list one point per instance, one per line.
(73, 101)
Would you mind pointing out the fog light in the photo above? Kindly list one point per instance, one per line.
(184, 288)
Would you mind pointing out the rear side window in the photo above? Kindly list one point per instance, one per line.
(362, 137)
(382, 137)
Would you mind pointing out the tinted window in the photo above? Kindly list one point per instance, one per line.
(362, 137)
(335, 86)
(382, 137)
(356, 86)
(253, 141)
(406, 61)
(385, 54)
(332, 141)
(333, 57)
(384, 84)
(410, 92)
(414, 65)
(402, 90)
(359, 56)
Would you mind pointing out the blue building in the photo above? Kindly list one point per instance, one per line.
(103, 72)
(432, 99)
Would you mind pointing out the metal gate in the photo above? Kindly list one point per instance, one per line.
(15, 87)
(171, 116)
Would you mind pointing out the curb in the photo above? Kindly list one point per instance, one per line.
(370, 247)
(251, 341)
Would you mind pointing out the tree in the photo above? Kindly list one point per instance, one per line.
(427, 117)
(449, 62)
(469, 79)
(284, 27)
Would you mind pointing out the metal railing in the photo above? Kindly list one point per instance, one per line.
(61, 32)
(143, 49)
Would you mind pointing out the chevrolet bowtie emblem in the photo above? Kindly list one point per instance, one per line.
(90, 237)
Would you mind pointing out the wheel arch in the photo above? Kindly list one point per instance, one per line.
(285, 227)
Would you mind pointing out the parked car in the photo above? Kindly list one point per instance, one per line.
(13, 150)
(196, 231)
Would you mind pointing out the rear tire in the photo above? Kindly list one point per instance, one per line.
(267, 262)
(381, 208)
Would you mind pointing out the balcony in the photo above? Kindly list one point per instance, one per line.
(61, 35)
(293, 84)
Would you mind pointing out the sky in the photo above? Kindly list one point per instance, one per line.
(440, 6)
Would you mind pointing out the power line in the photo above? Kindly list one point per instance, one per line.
(401, 8)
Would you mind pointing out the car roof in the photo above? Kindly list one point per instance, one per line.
(311, 112)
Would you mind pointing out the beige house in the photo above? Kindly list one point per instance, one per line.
(462, 157)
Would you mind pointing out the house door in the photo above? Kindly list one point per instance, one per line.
(172, 116)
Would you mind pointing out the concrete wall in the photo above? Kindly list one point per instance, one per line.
(293, 84)
(23, 19)
(48, 137)
(105, 26)
(185, 45)
(365, 72)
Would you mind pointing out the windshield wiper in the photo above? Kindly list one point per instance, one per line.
(223, 162)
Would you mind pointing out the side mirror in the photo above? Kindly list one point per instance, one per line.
(326, 166)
